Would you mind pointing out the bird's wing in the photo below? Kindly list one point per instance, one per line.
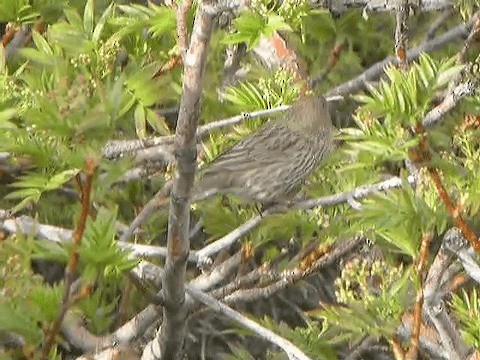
(271, 144)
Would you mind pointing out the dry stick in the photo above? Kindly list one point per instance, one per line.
(462, 55)
(434, 294)
(460, 91)
(397, 348)
(90, 166)
(381, 5)
(436, 24)
(291, 276)
(365, 346)
(291, 350)
(455, 212)
(159, 200)
(333, 58)
(401, 34)
(182, 33)
(173, 62)
(377, 70)
(412, 353)
(243, 281)
(170, 338)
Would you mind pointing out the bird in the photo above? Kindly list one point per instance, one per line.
(268, 165)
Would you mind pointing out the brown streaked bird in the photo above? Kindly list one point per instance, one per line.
(268, 165)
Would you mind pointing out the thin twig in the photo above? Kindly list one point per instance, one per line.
(452, 242)
(377, 70)
(436, 24)
(401, 36)
(333, 58)
(453, 97)
(454, 211)
(119, 148)
(86, 189)
(159, 200)
(462, 55)
(291, 350)
(412, 353)
(371, 6)
(292, 276)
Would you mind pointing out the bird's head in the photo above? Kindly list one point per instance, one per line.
(310, 114)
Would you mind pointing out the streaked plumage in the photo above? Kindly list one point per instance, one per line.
(266, 166)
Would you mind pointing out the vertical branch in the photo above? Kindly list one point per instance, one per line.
(85, 191)
(174, 314)
(401, 34)
(182, 33)
(417, 311)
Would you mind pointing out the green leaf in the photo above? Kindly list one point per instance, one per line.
(88, 17)
(5, 116)
(157, 122)
(74, 19)
(36, 56)
(41, 44)
(140, 121)
(15, 319)
(250, 26)
(99, 252)
(275, 23)
(61, 178)
(97, 33)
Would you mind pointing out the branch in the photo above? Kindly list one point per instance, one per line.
(159, 200)
(170, 338)
(182, 34)
(291, 350)
(291, 276)
(434, 308)
(436, 24)
(382, 5)
(401, 33)
(412, 353)
(375, 71)
(453, 97)
(462, 56)
(86, 189)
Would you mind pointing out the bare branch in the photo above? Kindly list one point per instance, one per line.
(291, 276)
(159, 200)
(119, 148)
(434, 302)
(377, 70)
(449, 102)
(462, 56)
(169, 340)
(182, 34)
(436, 24)
(401, 36)
(382, 5)
(291, 350)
